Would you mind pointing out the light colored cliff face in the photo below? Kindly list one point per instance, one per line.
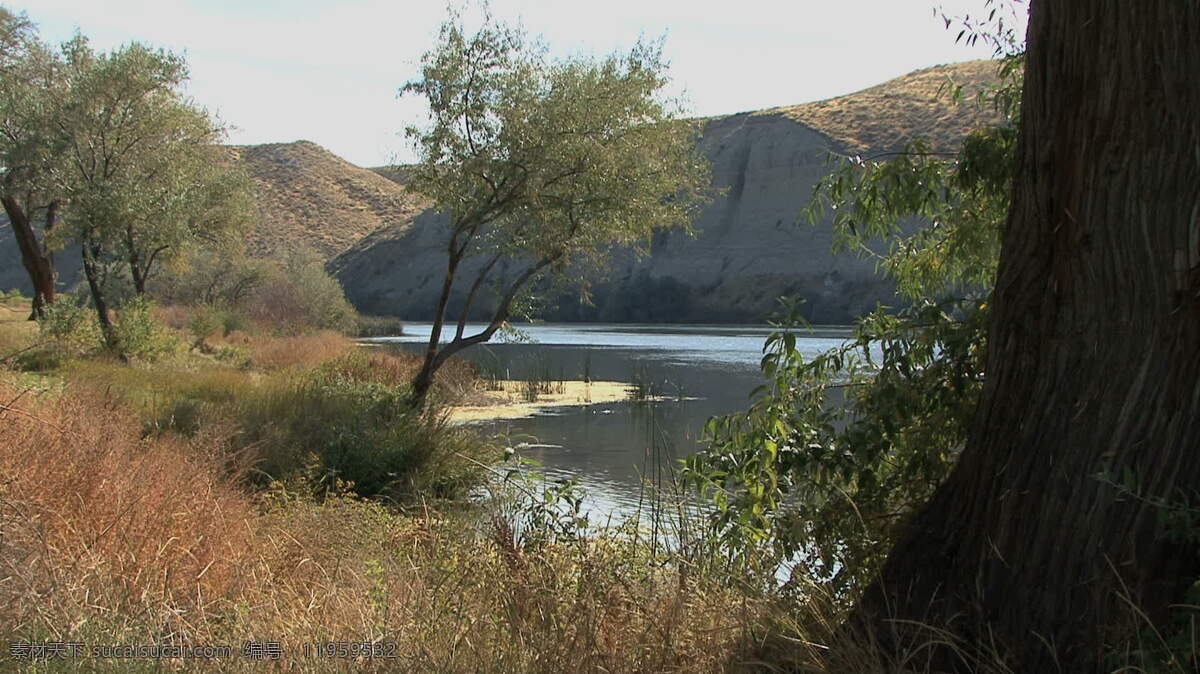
(749, 248)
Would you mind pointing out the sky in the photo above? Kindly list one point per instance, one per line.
(328, 71)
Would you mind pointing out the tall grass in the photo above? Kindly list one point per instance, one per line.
(361, 432)
(111, 537)
(302, 351)
(317, 408)
(147, 531)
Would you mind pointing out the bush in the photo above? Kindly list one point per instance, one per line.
(139, 336)
(211, 277)
(70, 326)
(208, 320)
(292, 296)
(300, 295)
(378, 326)
(360, 432)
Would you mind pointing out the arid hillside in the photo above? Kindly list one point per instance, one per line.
(749, 247)
(889, 115)
(311, 196)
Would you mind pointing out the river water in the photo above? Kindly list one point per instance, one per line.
(616, 449)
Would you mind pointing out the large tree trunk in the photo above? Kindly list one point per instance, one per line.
(1093, 365)
(36, 259)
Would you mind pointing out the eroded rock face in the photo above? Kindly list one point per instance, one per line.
(749, 247)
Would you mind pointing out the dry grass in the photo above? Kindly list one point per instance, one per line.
(16, 331)
(175, 317)
(304, 351)
(103, 528)
(111, 538)
(115, 538)
(888, 115)
(456, 381)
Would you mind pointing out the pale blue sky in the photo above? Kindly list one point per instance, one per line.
(328, 71)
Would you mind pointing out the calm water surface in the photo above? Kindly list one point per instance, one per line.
(613, 449)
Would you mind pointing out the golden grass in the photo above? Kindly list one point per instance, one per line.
(173, 316)
(112, 538)
(304, 351)
(888, 115)
(103, 524)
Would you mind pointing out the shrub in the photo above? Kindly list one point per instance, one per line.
(70, 326)
(211, 277)
(300, 295)
(361, 432)
(139, 335)
(209, 320)
(293, 296)
(378, 326)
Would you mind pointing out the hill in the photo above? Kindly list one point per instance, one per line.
(749, 248)
(306, 195)
(309, 195)
(387, 250)
(887, 116)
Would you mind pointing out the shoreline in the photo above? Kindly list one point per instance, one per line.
(511, 401)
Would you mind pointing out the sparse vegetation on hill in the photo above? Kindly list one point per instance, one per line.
(308, 195)
(888, 116)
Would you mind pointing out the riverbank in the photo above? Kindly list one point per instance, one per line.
(252, 493)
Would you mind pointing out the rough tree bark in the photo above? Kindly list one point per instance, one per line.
(1093, 364)
(37, 260)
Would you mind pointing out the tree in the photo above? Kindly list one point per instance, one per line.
(29, 77)
(142, 173)
(537, 164)
(837, 451)
(1067, 519)
(1081, 462)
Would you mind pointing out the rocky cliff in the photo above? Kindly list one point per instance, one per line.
(748, 249)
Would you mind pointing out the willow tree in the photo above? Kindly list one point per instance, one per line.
(538, 164)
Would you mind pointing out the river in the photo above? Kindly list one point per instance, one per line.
(615, 449)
